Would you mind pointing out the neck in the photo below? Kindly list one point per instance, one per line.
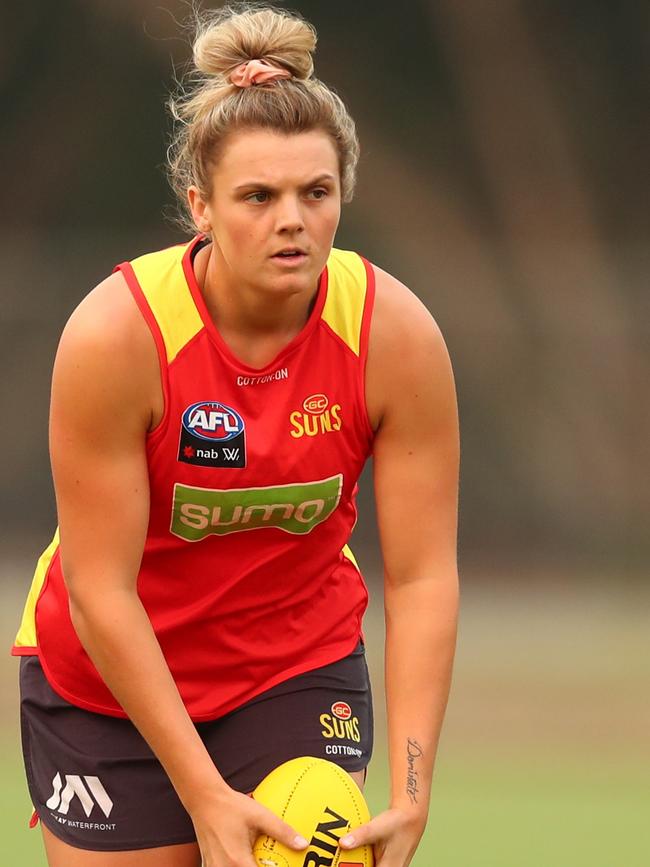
(256, 324)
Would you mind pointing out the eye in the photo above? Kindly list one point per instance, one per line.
(318, 193)
(258, 198)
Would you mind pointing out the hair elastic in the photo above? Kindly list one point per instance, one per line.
(257, 72)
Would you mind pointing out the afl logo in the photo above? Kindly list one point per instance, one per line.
(341, 710)
(213, 421)
(316, 404)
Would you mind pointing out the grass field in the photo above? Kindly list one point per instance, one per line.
(545, 757)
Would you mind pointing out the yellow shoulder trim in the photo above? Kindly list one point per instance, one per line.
(27, 633)
(163, 284)
(346, 296)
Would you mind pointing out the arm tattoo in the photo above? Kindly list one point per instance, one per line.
(413, 752)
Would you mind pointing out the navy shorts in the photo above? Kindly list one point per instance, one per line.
(96, 784)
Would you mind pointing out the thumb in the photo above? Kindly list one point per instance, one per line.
(372, 832)
(281, 831)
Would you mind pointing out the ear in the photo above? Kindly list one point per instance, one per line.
(200, 210)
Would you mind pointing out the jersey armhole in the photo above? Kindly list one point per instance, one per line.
(364, 339)
(136, 290)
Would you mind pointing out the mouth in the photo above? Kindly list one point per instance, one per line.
(290, 256)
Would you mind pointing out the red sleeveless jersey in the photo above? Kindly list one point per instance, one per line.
(246, 574)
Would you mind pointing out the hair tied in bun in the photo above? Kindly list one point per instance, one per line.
(257, 71)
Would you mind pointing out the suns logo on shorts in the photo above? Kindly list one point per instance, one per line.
(342, 710)
(316, 416)
(340, 724)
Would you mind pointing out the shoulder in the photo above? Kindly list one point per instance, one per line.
(106, 318)
(399, 313)
(406, 349)
(106, 351)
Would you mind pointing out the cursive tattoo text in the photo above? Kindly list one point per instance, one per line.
(413, 752)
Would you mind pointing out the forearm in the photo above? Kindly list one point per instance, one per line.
(118, 636)
(421, 623)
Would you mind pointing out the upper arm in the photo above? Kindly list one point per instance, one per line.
(412, 400)
(100, 411)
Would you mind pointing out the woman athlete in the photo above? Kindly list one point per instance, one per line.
(197, 619)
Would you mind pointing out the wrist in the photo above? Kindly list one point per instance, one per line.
(200, 792)
(415, 815)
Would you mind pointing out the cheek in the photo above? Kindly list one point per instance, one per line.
(330, 220)
(237, 236)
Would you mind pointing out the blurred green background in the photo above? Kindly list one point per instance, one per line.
(503, 178)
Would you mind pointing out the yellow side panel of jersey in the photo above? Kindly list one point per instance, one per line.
(163, 284)
(346, 296)
(347, 553)
(27, 633)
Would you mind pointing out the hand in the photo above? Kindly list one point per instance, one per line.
(395, 834)
(228, 825)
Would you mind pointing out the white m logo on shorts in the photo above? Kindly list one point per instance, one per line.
(60, 800)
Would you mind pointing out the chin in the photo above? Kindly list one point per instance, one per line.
(292, 284)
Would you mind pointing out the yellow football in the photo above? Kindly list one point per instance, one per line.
(322, 803)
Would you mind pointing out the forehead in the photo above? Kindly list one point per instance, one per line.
(273, 157)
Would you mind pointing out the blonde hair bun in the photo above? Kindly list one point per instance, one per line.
(232, 35)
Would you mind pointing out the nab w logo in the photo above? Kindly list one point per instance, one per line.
(89, 794)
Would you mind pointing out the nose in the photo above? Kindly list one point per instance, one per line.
(289, 216)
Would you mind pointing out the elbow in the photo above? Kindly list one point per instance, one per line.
(79, 618)
(433, 596)
(93, 604)
(80, 596)
(433, 578)
(82, 603)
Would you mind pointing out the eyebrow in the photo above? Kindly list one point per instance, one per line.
(262, 185)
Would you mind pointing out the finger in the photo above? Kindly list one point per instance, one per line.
(281, 831)
(372, 832)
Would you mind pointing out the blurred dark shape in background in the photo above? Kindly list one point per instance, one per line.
(503, 178)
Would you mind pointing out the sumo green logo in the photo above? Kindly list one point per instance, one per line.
(295, 508)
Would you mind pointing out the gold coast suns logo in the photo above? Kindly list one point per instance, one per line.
(315, 417)
(340, 723)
